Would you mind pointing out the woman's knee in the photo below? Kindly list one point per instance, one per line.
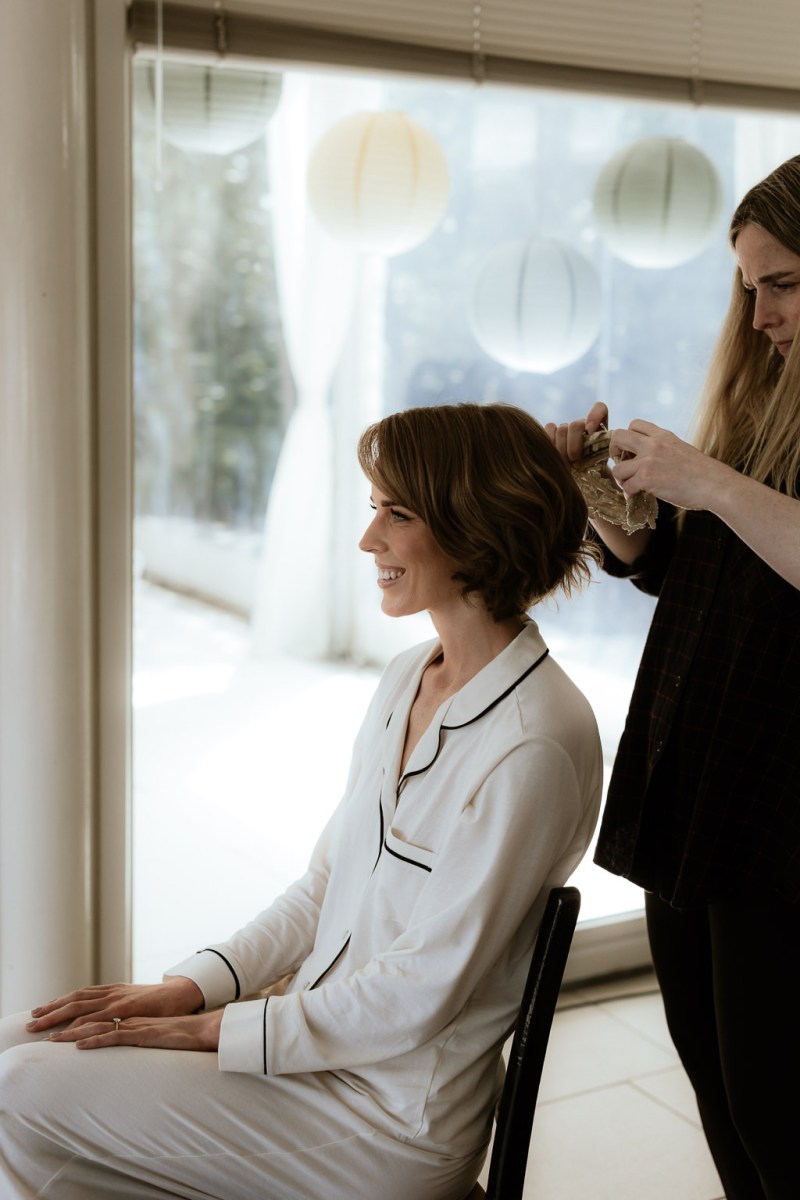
(23, 1078)
(13, 1031)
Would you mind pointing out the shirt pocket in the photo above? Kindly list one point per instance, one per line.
(417, 856)
(403, 871)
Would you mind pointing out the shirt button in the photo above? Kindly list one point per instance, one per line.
(677, 681)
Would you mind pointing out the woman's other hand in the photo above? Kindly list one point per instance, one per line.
(197, 1032)
(568, 438)
(178, 996)
(660, 462)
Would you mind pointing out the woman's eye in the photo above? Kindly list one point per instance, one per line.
(398, 516)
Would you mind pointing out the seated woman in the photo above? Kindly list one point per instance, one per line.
(474, 788)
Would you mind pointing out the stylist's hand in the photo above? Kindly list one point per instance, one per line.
(568, 438)
(198, 1032)
(176, 997)
(662, 463)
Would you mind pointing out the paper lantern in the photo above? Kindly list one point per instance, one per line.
(213, 110)
(657, 202)
(378, 181)
(536, 304)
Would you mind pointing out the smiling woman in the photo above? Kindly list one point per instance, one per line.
(494, 494)
(348, 1041)
(414, 573)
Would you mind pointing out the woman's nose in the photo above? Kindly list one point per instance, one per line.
(369, 538)
(763, 313)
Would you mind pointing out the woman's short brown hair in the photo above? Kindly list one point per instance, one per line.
(494, 492)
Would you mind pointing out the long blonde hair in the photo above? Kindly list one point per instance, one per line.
(749, 413)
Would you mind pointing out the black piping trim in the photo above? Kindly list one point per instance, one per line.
(266, 1002)
(381, 834)
(503, 695)
(331, 964)
(403, 858)
(472, 720)
(209, 950)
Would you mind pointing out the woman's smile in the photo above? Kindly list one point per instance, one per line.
(414, 572)
(389, 575)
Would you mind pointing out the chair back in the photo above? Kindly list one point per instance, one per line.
(531, 1034)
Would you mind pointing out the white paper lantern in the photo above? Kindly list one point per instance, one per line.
(213, 110)
(378, 181)
(536, 304)
(657, 202)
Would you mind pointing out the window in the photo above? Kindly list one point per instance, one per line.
(257, 365)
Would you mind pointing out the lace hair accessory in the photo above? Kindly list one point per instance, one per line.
(603, 495)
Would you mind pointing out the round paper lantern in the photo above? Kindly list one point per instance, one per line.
(657, 202)
(378, 181)
(214, 110)
(536, 304)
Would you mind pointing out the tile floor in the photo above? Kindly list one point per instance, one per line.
(616, 1117)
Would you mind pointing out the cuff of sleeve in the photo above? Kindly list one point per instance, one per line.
(212, 973)
(243, 1038)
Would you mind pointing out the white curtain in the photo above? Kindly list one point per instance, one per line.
(316, 278)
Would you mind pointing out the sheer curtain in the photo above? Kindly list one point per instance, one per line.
(292, 611)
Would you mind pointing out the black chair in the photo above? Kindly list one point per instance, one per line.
(515, 1111)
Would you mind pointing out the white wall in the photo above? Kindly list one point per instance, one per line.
(46, 609)
(54, 677)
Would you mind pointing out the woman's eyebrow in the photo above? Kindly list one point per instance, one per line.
(776, 275)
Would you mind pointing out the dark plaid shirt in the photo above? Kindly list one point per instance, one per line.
(704, 798)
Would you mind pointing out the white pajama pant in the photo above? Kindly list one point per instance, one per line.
(126, 1123)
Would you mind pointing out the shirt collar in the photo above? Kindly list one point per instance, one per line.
(476, 697)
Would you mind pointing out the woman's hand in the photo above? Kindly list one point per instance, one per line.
(177, 997)
(661, 463)
(766, 520)
(198, 1032)
(568, 438)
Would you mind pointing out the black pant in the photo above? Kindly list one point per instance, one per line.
(730, 981)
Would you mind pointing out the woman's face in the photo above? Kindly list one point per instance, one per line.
(414, 573)
(771, 273)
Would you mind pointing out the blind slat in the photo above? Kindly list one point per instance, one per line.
(639, 48)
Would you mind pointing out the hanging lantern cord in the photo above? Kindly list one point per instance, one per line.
(696, 87)
(221, 29)
(158, 181)
(478, 57)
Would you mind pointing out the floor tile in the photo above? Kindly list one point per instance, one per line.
(673, 1090)
(590, 1049)
(617, 1144)
(642, 1014)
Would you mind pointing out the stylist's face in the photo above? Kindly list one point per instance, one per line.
(771, 274)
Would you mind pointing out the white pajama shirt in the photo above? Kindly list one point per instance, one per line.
(406, 943)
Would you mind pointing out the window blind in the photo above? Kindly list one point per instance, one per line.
(715, 52)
